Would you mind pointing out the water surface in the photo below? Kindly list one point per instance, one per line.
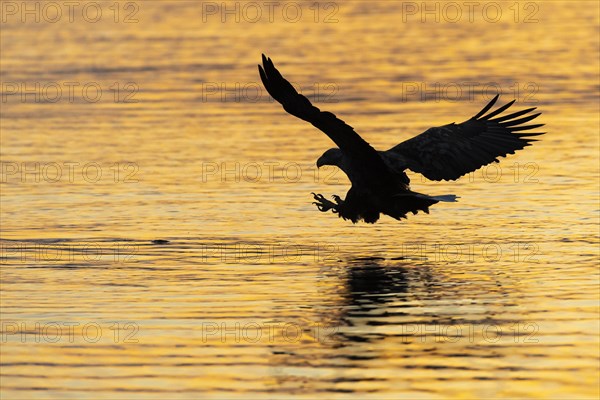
(249, 291)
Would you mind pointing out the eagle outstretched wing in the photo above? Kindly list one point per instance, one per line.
(364, 158)
(450, 151)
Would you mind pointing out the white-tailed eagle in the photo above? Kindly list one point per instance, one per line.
(379, 183)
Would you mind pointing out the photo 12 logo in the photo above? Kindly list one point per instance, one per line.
(52, 12)
(523, 12)
(523, 92)
(517, 252)
(270, 11)
(68, 172)
(69, 92)
(518, 332)
(22, 252)
(266, 332)
(268, 253)
(267, 171)
(253, 92)
(68, 332)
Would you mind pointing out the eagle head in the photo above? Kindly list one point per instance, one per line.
(330, 157)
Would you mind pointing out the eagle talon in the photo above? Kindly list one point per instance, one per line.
(323, 204)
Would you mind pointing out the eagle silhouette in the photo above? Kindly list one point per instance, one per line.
(379, 182)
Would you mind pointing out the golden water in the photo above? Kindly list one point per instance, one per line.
(256, 293)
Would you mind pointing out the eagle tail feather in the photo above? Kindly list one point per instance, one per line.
(446, 198)
(412, 202)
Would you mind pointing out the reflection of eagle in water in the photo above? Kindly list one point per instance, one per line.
(379, 183)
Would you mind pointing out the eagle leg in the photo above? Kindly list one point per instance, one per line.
(325, 205)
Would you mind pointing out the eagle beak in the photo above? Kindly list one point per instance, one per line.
(320, 162)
